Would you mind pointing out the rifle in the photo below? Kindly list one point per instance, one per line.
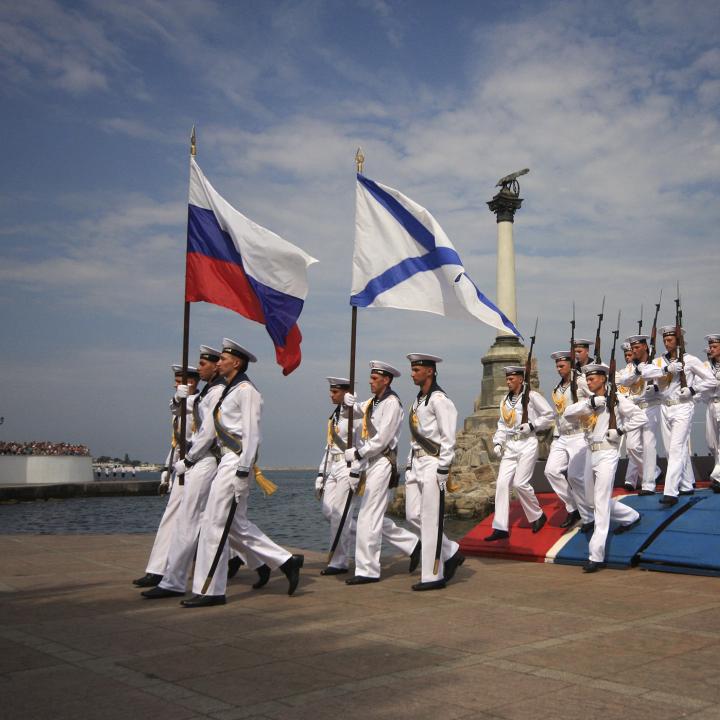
(319, 493)
(612, 394)
(601, 314)
(653, 332)
(640, 320)
(528, 367)
(680, 338)
(573, 378)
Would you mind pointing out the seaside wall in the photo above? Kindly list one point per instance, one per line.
(45, 469)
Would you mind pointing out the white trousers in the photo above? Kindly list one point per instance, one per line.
(516, 469)
(565, 471)
(641, 445)
(373, 526)
(712, 417)
(676, 425)
(422, 505)
(159, 553)
(604, 463)
(245, 535)
(334, 498)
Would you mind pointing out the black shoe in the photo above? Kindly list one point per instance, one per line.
(149, 580)
(588, 528)
(715, 486)
(668, 500)
(620, 529)
(451, 565)
(434, 585)
(686, 492)
(234, 564)
(329, 570)
(263, 576)
(157, 592)
(629, 487)
(571, 519)
(361, 580)
(203, 601)
(291, 569)
(591, 566)
(415, 556)
(497, 535)
(646, 492)
(537, 525)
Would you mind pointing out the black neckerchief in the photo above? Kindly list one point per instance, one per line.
(559, 386)
(235, 381)
(216, 380)
(335, 414)
(377, 400)
(433, 388)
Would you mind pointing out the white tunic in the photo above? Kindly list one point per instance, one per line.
(436, 421)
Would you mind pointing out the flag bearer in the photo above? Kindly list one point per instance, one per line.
(237, 426)
(159, 553)
(376, 456)
(433, 422)
(516, 444)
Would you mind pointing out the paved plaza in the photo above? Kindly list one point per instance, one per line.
(505, 640)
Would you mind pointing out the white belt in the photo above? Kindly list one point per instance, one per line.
(336, 455)
(670, 403)
(604, 445)
(574, 433)
(419, 452)
(643, 404)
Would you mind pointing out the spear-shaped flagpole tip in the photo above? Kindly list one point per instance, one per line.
(193, 145)
(359, 160)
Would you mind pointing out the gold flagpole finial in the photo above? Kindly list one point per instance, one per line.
(193, 145)
(359, 160)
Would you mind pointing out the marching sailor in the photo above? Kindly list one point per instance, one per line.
(604, 444)
(375, 455)
(159, 553)
(712, 398)
(641, 443)
(582, 352)
(433, 422)
(516, 444)
(565, 466)
(678, 407)
(333, 480)
(236, 417)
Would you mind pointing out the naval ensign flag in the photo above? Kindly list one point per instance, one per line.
(233, 262)
(403, 259)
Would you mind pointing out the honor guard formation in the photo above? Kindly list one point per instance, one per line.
(596, 409)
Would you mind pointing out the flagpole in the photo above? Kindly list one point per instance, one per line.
(186, 338)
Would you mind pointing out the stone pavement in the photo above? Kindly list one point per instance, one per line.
(505, 640)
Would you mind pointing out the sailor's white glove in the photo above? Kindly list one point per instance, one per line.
(351, 455)
(525, 429)
(349, 399)
(318, 483)
(686, 394)
(498, 451)
(613, 436)
(164, 483)
(179, 467)
(598, 401)
(442, 477)
(675, 367)
(181, 392)
(354, 480)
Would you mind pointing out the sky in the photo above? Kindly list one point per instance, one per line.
(613, 106)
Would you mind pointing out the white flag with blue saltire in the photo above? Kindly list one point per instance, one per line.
(403, 259)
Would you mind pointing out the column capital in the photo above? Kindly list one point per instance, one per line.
(504, 205)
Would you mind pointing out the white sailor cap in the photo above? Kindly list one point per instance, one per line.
(423, 359)
(561, 355)
(376, 366)
(635, 339)
(233, 348)
(338, 382)
(712, 338)
(583, 342)
(191, 370)
(669, 330)
(209, 353)
(514, 370)
(596, 369)
(626, 347)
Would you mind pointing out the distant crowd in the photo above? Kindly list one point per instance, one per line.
(42, 448)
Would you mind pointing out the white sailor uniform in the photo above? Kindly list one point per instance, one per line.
(565, 468)
(434, 417)
(677, 412)
(159, 553)
(238, 430)
(334, 480)
(604, 459)
(382, 419)
(712, 417)
(519, 454)
(641, 443)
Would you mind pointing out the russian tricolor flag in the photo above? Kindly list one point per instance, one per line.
(233, 262)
